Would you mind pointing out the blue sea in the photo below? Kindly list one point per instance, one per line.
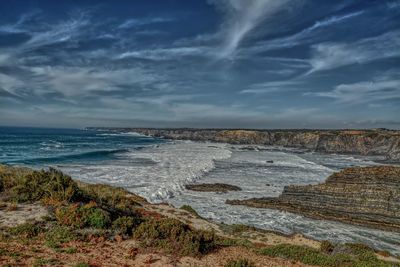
(41, 147)
(158, 170)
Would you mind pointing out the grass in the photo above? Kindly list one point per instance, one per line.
(347, 255)
(45, 262)
(239, 263)
(175, 237)
(27, 230)
(59, 235)
(81, 264)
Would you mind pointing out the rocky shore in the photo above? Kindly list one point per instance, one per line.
(375, 142)
(368, 196)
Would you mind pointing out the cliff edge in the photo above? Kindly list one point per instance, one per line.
(368, 196)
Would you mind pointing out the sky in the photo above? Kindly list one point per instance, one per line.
(193, 63)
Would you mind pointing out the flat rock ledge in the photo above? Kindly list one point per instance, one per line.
(217, 187)
(367, 196)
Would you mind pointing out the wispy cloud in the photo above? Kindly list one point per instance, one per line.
(305, 36)
(328, 56)
(131, 23)
(375, 90)
(171, 53)
(241, 17)
(270, 87)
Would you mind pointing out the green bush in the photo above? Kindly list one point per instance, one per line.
(113, 198)
(175, 237)
(28, 186)
(239, 263)
(78, 216)
(123, 225)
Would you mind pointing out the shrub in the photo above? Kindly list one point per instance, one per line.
(78, 216)
(123, 225)
(116, 199)
(239, 263)
(30, 186)
(191, 210)
(81, 264)
(327, 246)
(175, 237)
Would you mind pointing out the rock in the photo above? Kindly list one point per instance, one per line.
(217, 187)
(368, 196)
(269, 161)
(374, 142)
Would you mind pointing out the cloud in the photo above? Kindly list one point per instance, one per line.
(131, 23)
(241, 17)
(378, 89)
(326, 56)
(171, 53)
(270, 87)
(305, 36)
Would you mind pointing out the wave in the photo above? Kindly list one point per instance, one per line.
(89, 155)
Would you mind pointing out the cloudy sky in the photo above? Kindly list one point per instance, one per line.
(193, 63)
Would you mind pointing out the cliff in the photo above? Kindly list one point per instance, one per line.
(377, 142)
(368, 196)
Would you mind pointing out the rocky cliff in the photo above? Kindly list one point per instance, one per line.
(379, 142)
(367, 196)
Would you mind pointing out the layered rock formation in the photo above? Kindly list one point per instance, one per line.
(217, 187)
(367, 196)
(379, 142)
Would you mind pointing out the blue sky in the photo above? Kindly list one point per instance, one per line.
(192, 63)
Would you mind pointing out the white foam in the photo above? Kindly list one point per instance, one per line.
(175, 164)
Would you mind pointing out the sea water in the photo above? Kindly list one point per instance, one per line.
(158, 170)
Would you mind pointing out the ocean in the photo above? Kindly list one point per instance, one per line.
(158, 170)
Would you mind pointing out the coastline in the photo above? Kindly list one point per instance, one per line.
(372, 142)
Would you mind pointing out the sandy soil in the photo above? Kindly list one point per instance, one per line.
(15, 214)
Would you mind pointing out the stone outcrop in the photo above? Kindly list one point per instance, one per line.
(376, 142)
(368, 196)
(217, 187)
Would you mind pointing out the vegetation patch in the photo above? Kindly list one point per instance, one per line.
(80, 216)
(358, 257)
(175, 237)
(123, 225)
(239, 263)
(59, 235)
(27, 230)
